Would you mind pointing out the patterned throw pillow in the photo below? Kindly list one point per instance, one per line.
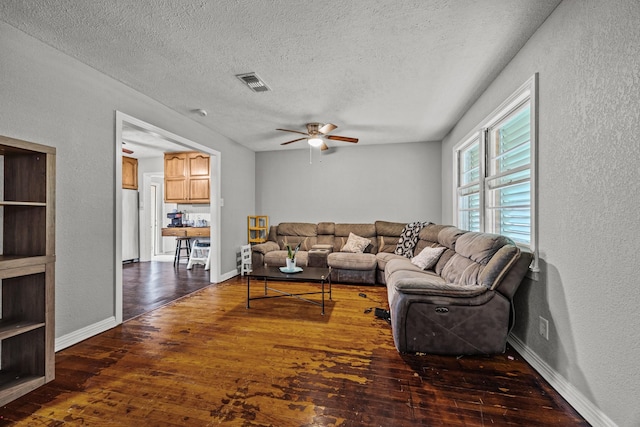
(409, 238)
(355, 244)
(428, 257)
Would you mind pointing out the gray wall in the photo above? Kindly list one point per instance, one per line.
(52, 99)
(393, 182)
(588, 57)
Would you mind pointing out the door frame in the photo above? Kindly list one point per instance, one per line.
(215, 192)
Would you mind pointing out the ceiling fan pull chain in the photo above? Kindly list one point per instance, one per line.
(310, 153)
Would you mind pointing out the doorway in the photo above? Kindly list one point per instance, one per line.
(123, 121)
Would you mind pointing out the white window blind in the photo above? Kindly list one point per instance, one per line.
(508, 183)
(469, 186)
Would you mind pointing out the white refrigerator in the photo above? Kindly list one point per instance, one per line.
(130, 226)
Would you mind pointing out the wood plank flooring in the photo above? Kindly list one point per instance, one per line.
(149, 285)
(207, 360)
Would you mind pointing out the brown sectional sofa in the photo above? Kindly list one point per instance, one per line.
(461, 305)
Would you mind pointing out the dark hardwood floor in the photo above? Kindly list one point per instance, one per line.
(149, 285)
(208, 360)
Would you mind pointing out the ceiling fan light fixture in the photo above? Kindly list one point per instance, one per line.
(315, 142)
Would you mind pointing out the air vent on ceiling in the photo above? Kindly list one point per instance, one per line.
(254, 82)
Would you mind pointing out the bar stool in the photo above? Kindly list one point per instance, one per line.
(180, 248)
(200, 254)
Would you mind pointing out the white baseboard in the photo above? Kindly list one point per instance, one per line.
(229, 275)
(84, 333)
(580, 403)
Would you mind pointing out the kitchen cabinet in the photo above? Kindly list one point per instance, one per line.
(186, 177)
(27, 281)
(129, 173)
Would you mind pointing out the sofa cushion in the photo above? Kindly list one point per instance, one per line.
(428, 257)
(401, 263)
(449, 235)
(428, 237)
(461, 270)
(388, 235)
(355, 244)
(480, 247)
(351, 261)
(297, 229)
(293, 233)
(384, 257)
(342, 232)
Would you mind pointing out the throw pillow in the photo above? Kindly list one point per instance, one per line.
(409, 238)
(355, 244)
(428, 257)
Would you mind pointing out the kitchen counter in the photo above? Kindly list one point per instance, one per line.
(187, 231)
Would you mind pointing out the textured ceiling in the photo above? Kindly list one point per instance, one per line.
(383, 71)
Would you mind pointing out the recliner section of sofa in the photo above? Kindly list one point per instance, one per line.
(463, 305)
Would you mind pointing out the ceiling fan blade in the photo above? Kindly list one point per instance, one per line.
(342, 138)
(126, 150)
(295, 140)
(327, 128)
(294, 131)
(324, 147)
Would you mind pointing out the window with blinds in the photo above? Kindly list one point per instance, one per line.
(495, 172)
(508, 181)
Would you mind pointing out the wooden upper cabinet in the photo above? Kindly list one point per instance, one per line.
(186, 177)
(129, 173)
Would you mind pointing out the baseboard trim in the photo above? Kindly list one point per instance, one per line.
(84, 333)
(580, 403)
(229, 275)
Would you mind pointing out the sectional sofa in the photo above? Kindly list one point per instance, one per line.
(449, 290)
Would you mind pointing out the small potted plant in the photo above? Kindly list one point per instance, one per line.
(291, 256)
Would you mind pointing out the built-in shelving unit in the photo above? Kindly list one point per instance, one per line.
(27, 210)
(257, 228)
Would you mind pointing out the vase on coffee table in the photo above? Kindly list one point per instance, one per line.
(291, 264)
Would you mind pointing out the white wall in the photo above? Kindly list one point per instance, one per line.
(52, 99)
(394, 182)
(588, 57)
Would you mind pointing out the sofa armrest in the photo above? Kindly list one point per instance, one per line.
(258, 251)
(265, 247)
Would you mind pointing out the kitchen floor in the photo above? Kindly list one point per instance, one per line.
(149, 285)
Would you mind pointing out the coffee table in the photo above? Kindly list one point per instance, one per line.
(308, 274)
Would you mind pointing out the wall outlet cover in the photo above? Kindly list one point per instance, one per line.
(544, 327)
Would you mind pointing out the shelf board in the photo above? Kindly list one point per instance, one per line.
(13, 328)
(12, 203)
(15, 384)
(34, 263)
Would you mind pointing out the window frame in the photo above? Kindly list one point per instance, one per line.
(526, 94)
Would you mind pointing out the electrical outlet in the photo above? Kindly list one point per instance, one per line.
(543, 327)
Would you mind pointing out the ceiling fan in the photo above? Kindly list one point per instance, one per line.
(315, 133)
